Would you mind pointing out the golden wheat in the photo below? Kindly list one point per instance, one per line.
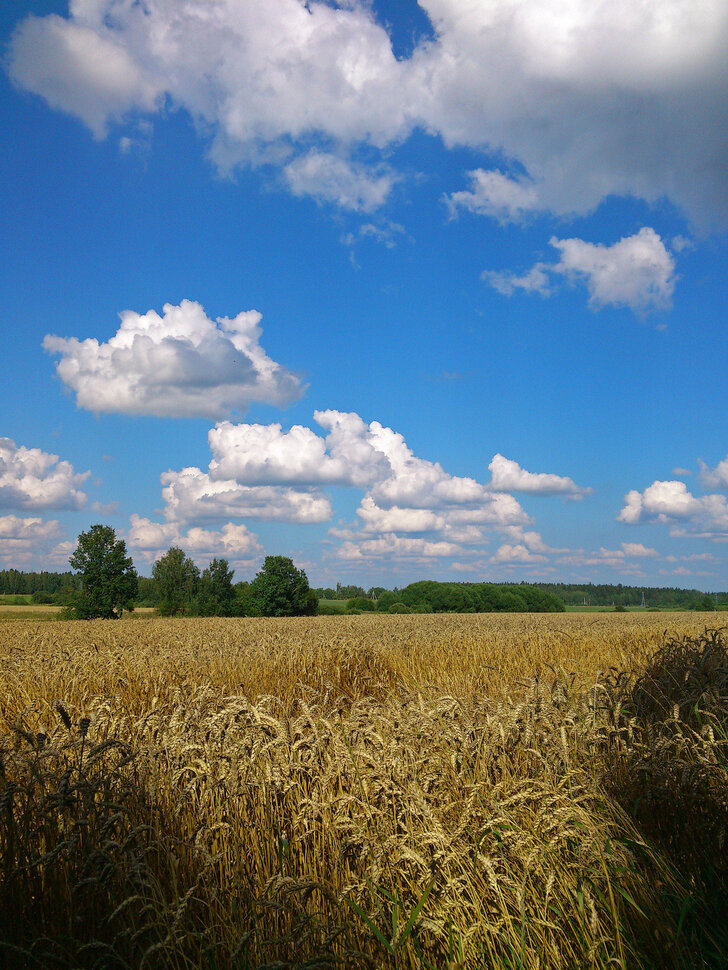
(414, 791)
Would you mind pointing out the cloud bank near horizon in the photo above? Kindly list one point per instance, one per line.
(411, 508)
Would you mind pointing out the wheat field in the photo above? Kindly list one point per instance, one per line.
(532, 791)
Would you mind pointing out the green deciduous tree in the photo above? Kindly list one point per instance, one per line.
(108, 577)
(280, 589)
(177, 580)
(216, 593)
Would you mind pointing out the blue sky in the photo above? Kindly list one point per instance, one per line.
(402, 291)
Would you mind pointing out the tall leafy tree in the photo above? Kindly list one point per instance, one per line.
(280, 589)
(216, 593)
(177, 579)
(108, 576)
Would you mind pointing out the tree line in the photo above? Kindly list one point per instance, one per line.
(279, 589)
(106, 583)
(659, 597)
(428, 596)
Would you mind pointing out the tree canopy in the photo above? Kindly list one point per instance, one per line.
(108, 576)
(280, 589)
(216, 596)
(480, 598)
(177, 579)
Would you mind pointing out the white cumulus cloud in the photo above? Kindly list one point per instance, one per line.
(637, 272)
(81, 70)
(180, 364)
(397, 547)
(268, 473)
(24, 541)
(518, 554)
(354, 453)
(191, 494)
(671, 502)
(233, 542)
(395, 519)
(265, 454)
(34, 479)
(508, 476)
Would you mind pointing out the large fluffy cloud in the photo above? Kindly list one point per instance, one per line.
(34, 479)
(590, 99)
(264, 454)
(671, 503)
(180, 364)
(637, 272)
(410, 506)
(354, 453)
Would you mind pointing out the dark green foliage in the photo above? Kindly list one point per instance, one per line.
(57, 585)
(590, 594)
(241, 603)
(479, 598)
(387, 599)
(147, 594)
(280, 589)
(177, 579)
(108, 577)
(704, 604)
(362, 604)
(216, 596)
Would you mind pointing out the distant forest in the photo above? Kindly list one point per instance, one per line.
(14, 582)
(49, 587)
(600, 594)
(571, 594)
